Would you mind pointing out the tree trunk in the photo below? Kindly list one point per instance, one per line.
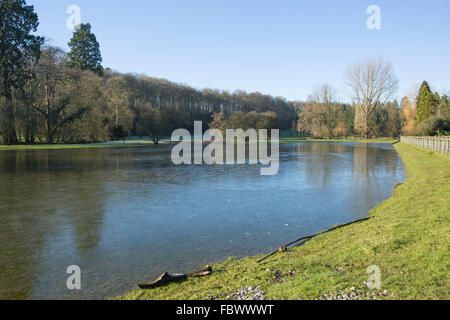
(366, 128)
(11, 136)
(49, 131)
(29, 139)
(49, 127)
(48, 117)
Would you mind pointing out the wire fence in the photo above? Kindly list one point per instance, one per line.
(437, 144)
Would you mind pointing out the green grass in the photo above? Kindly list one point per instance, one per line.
(140, 143)
(408, 239)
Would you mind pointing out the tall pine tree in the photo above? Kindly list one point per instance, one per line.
(17, 46)
(85, 50)
(425, 103)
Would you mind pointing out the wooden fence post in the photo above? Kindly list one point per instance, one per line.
(436, 144)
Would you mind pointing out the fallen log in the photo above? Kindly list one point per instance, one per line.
(206, 271)
(167, 278)
(164, 279)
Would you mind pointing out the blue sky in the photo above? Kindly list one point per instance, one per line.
(283, 48)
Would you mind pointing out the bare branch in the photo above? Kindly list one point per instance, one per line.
(373, 82)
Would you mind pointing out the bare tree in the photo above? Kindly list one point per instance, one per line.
(373, 82)
(53, 102)
(319, 115)
(324, 93)
(117, 97)
(51, 76)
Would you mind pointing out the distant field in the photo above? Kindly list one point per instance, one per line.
(140, 143)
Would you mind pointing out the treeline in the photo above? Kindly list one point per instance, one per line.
(323, 117)
(339, 120)
(71, 105)
(432, 113)
(245, 120)
(48, 95)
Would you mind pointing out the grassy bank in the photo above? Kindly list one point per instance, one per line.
(408, 239)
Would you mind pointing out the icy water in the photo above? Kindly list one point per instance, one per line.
(124, 216)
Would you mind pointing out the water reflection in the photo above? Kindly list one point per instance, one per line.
(126, 215)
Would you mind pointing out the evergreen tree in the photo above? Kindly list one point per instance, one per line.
(85, 50)
(425, 103)
(17, 46)
(394, 124)
(443, 110)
